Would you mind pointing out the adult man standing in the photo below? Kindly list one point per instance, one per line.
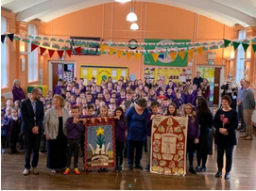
(240, 105)
(248, 107)
(32, 111)
(198, 79)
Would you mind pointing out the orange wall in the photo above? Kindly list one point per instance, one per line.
(108, 21)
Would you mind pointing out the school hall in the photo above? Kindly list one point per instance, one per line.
(128, 94)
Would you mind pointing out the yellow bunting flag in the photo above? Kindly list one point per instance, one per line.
(102, 48)
(155, 56)
(137, 56)
(111, 51)
(128, 55)
(173, 55)
(182, 54)
(200, 50)
(119, 53)
(190, 53)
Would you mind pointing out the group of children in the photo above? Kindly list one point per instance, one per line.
(110, 100)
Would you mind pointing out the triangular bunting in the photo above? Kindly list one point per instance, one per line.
(226, 42)
(42, 50)
(78, 50)
(119, 53)
(103, 48)
(10, 36)
(51, 52)
(236, 44)
(245, 46)
(128, 55)
(254, 47)
(137, 56)
(2, 38)
(60, 53)
(200, 50)
(111, 51)
(182, 54)
(155, 56)
(190, 53)
(69, 52)
(173, 55)
(33, 47)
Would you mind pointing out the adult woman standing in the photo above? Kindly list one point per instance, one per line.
(136, 117)
(225, 122)
(17, 91)
(205, 120)
(55, 134)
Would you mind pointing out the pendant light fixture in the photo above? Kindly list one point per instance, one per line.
(131, 17)
(134, 26)
(122, 1)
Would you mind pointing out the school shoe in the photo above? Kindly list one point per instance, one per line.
(198, 169)
(14, 152)
(203, 169)
(117, 169)
(227, 175)
(100, 170)
(147, 167)
(104, 170)
(67, 171)
(26, 172)
(76, 171)
(191, 169)
(35, 171)
(130, 167)
(139, 167)
(120, 169)
(243, 136)
(88, 170)
(218, 174)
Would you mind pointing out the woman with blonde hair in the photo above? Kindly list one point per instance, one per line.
(55, 134)
(17, 91)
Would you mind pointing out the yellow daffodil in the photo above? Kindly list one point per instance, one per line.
(100, 131)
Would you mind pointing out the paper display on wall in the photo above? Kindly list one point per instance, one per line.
(85, 72)
(123, 73)
(113, 73)
(94, 72)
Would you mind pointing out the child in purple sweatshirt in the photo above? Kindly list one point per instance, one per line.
(75, 129)
(120, 131)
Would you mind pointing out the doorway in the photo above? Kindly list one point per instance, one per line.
(60, 70)
(215, 76)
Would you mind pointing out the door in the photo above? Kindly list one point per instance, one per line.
(55, 76)
(216, 86)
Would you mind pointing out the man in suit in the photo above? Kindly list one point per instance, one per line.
(32, 111)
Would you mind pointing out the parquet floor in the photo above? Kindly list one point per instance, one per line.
(243, 175)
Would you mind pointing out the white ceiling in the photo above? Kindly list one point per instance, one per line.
(228, 12)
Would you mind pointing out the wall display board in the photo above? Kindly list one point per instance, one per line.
(102, 73)
(99, 149)
(174, 73)
(168, 148)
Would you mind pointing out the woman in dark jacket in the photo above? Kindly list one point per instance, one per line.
(205, 120)
(225, 122)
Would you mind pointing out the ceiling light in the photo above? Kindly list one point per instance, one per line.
(131, 16)
(134, 26)
(122, 1)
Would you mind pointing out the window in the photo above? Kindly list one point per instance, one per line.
(4, 64)
(32, 57)
(240, 54)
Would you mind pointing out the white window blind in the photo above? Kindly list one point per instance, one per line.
(32, 57)
(240, 54)
(4, 64)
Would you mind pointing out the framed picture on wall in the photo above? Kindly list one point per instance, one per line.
(99, 148)
(89, 45)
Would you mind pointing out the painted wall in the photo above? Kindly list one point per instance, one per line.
(108, 21)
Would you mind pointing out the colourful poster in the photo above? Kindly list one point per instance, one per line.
(99, 144)
(168, 148)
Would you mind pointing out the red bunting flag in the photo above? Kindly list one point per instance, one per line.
(42, 50)
(33, 47)
(78, 50)
(60, 53)
(51, 52)
(69, 52)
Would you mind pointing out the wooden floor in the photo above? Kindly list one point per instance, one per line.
(243, 175)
